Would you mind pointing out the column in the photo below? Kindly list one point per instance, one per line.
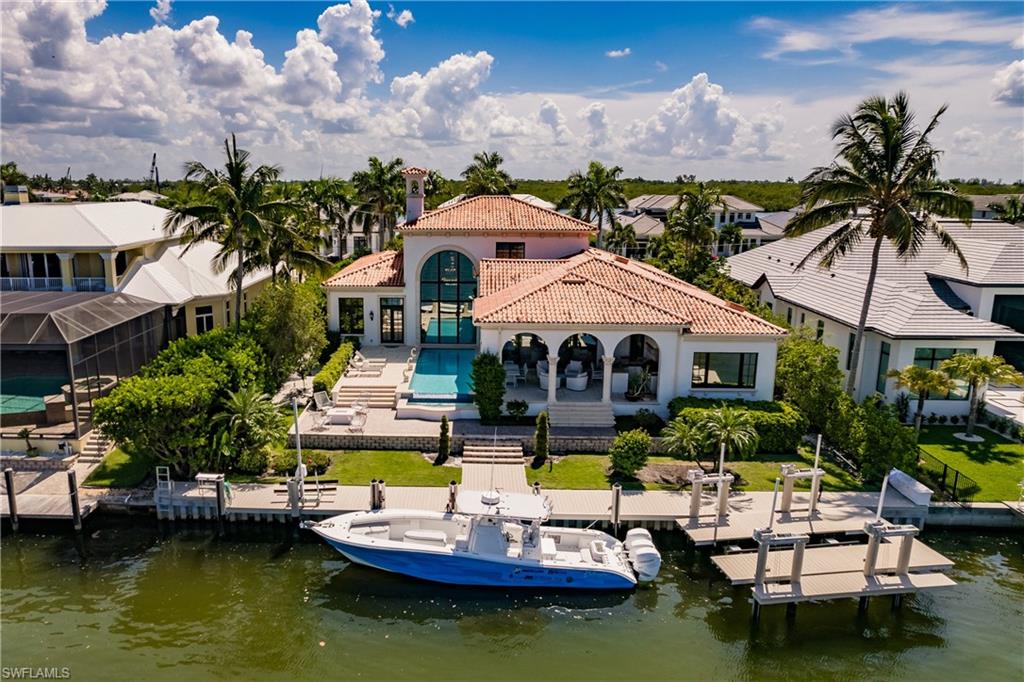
(108, 270)
(606, 386)
(552, 378)
(67, 271)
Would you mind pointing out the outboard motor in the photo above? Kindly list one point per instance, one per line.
(643, 555)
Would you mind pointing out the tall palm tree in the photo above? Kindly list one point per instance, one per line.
(620, 238)
(693, 221)
(733, 427)
(485, 176)
(330, 200)
(883, 187)
(250, 419)
(235, 211)
(595, 194)
(1010, 212)
(294, 238)
(731, 236)
(922, 382)
(979, 371)
(381, 191)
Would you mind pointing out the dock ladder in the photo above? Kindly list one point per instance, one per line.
(164, 493)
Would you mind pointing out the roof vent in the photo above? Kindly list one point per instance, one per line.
(574, 280)
(621, 259)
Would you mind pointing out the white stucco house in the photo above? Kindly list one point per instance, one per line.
(576, 327)
(923, 310)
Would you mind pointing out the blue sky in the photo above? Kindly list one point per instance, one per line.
(721, 89)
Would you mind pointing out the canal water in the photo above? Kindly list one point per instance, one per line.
(140, 600)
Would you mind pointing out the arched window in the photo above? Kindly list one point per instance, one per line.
(447, 289)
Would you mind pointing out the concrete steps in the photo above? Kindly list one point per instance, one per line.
(480, 452)
(96, 446)
(581, 414)
(378, 396)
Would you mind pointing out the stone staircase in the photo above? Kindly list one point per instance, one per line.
(486, 451)
(581, 414)
(94, 448)
(379, 396)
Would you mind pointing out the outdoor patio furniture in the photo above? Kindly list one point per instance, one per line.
(357, 424)
(321, 401)
(362, 359)
(362, 369)
(574, 369)
(576, 382)
(341, 415)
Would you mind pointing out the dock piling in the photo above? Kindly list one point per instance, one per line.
(453, 493)
(616, 505)
(221, 498)
(76, 511)
(12, 498)
(381, 494)
(293, 497)
(374, 506)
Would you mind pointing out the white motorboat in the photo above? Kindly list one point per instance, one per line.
(493, 539)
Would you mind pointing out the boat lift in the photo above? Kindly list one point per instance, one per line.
(722, 481)
(790, 475)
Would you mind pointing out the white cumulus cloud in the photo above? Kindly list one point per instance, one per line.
(403, 18)
(1009, 84)
(595, 118)
(161, 12)
(551, 117)
(616, 54)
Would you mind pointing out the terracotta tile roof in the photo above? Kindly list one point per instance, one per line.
(414, 170)
(597, 287)
(382, 269)
(489, 214)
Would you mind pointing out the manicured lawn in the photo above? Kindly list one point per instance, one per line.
(997, 464)
(120, 470)
(583, 472)
(759, 473)
(359, 467)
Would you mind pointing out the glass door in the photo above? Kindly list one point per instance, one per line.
(392, 320)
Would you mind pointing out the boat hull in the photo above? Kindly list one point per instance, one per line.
(463, 569)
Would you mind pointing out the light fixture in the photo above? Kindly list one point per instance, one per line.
(371, 316)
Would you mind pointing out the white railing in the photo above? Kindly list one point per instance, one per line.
(31, 284)
(90, 283)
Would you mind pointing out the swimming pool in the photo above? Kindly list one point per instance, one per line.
(25, 394)
(443, 374)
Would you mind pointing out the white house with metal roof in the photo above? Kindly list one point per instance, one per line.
(116, 246)
(584, 334)
(922, 310)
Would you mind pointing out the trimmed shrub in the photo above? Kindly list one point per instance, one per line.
(648, 421)
(488, 386)
(230, 359)
(444, 442)
(886, 443)
(517, 408)
(779, 425)
(540, 437)
(629, 452)
(330, 373)
(954, 420)
(932, 418)
(284, 462)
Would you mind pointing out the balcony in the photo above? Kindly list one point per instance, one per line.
(89, 283)
(31, 284)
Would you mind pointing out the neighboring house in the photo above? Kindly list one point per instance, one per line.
(47, 197)
(983, 205)
(528, 198)
(922, 311)
(657, 207)
(145, 196)
(498, 274)
(89, 292)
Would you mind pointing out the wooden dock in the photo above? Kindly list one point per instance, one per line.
(829, 559)
(848, 585)
(46, 507)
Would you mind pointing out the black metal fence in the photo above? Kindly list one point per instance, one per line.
(948, 483)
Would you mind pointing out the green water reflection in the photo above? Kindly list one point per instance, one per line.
(137, 600)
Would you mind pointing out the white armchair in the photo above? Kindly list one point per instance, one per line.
(576, 382)
(574, 369)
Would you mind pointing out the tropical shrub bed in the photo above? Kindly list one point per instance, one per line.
(779, 425)
(331, 372)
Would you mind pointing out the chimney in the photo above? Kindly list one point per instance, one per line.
(414, 191)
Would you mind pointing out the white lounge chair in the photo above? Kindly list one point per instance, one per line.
(574, 369)
(576, 382)
(321, 401)
(359, 357)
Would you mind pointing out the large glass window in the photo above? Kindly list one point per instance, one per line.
(724, 370)
(849, 350)
(447, 290)
(932, 358)
(883, 366)
(350, 316)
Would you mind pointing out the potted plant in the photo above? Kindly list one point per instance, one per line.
(638, 385)
(30, 449)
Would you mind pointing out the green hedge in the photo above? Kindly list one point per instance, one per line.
(335, 367)
(780, 426)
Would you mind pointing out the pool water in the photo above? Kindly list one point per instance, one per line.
(25, 394)
(443, 373)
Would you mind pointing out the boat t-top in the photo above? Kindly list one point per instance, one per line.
(493, 539)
